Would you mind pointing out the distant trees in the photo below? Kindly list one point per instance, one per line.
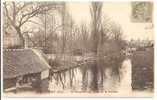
(49, 28)
(84, 38)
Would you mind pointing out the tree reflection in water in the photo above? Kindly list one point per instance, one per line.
(90, 77)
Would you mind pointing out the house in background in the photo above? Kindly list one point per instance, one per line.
(23, 69)
(10, 39)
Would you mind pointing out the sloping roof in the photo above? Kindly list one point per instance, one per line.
(17, 62)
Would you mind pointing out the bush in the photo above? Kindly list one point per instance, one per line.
(142, 68)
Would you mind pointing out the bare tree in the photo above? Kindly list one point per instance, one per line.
(96, 9)
(84, 37)
(20, 13)
(63, 27)
(96, 12)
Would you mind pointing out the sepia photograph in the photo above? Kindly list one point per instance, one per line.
(78, 49)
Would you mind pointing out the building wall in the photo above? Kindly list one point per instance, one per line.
(39, 85)
(8, 83)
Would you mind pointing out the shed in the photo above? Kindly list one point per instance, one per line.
(23, 63)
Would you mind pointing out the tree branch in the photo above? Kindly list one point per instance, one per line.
(7, 15)
(23, 6)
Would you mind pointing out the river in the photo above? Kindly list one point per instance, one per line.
(79, 80)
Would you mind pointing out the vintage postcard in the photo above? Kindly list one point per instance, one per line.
(78, 49)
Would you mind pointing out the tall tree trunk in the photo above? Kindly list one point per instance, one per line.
(63, 27)
(22, 40)
(63, 31)
(96, 25)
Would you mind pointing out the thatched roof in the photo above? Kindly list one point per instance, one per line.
(17, 62)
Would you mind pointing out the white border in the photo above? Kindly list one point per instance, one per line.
(83, 0)
(155, 46)
(1, 50)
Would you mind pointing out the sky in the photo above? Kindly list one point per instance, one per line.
(80, 11)
(119, 12)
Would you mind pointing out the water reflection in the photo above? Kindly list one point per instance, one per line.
(91, 78)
